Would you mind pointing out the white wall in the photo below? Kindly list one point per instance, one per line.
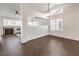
(1, 26)
(31, 32)
(70, 18)
(35, 32)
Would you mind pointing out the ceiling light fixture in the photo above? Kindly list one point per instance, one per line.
(48, 12)
(17, 13)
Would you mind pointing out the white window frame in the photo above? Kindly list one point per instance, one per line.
(56, 24)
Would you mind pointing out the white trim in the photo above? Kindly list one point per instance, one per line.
(66, 36)
(32, 38)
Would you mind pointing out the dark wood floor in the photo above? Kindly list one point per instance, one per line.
(44, 46)
(11, 46)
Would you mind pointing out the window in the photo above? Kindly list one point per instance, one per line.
(56, 24)
(10, 22)
(57, 11)
(33, 23)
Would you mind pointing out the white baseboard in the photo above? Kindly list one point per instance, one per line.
(68, 37)
(32, 38)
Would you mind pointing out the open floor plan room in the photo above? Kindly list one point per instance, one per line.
(39, 29)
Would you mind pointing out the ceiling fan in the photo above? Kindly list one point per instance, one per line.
(17, 13)
(51, 12)
(48, 11)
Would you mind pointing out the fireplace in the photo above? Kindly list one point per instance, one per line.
(8, 31)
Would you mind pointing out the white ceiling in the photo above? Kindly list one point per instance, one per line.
(12, 6)
(8, 10)
(41, 7)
